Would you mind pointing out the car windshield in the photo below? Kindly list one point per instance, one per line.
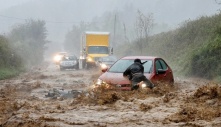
(98, 50)
(121, 65)
(66, 58)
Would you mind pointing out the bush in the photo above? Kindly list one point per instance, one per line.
(8, 73)
(206, 61)
(10, 62)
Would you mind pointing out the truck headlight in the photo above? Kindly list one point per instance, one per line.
(89, 59)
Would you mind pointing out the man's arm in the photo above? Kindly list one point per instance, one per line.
(142, 69)
(126, 72)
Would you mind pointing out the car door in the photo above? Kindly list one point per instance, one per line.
(162, 71)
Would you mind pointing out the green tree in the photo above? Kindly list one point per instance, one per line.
(5, 52)
(10, 63)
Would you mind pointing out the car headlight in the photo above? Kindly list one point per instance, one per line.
(99, 82)
(103, 66)
(143, 85)
(57, 58)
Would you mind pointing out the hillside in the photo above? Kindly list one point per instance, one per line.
(194, 49)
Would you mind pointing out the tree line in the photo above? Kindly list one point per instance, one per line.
(23, 47)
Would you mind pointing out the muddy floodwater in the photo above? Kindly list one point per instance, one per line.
(48, 97)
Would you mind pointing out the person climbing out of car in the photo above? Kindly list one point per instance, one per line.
(135, 74)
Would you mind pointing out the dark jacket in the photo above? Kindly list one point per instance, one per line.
(135, 68)
(135, 73)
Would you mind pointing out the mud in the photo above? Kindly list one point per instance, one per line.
(204, 104)
(24, 102)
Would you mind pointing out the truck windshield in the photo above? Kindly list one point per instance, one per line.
(98, 50)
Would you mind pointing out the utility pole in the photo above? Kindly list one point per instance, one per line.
(115, 18)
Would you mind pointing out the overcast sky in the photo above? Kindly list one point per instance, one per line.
(163, 9)
(171, 12)
(4, 4)
(72, 12)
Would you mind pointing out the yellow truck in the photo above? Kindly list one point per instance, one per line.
(94, 46)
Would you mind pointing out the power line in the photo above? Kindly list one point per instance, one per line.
(58, 22)
(12, 17)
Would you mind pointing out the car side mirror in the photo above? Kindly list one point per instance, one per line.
(104, 69)
(112, 51)
(161, 71)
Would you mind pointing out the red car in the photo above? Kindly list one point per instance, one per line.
(155, 69)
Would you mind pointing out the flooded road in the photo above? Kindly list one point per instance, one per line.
(46, 96)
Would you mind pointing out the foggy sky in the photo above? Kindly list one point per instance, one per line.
(69, 12)
(4, 4)
(165, 11)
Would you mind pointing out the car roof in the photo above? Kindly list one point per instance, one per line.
(140, 57)
(71, 55)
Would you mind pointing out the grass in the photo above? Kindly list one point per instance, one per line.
(8, 73)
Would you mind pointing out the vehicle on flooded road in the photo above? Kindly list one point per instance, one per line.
(69, 62)
(106, 61)
(58, 56)
(155, 69)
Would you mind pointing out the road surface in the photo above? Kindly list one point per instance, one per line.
(46, 96)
